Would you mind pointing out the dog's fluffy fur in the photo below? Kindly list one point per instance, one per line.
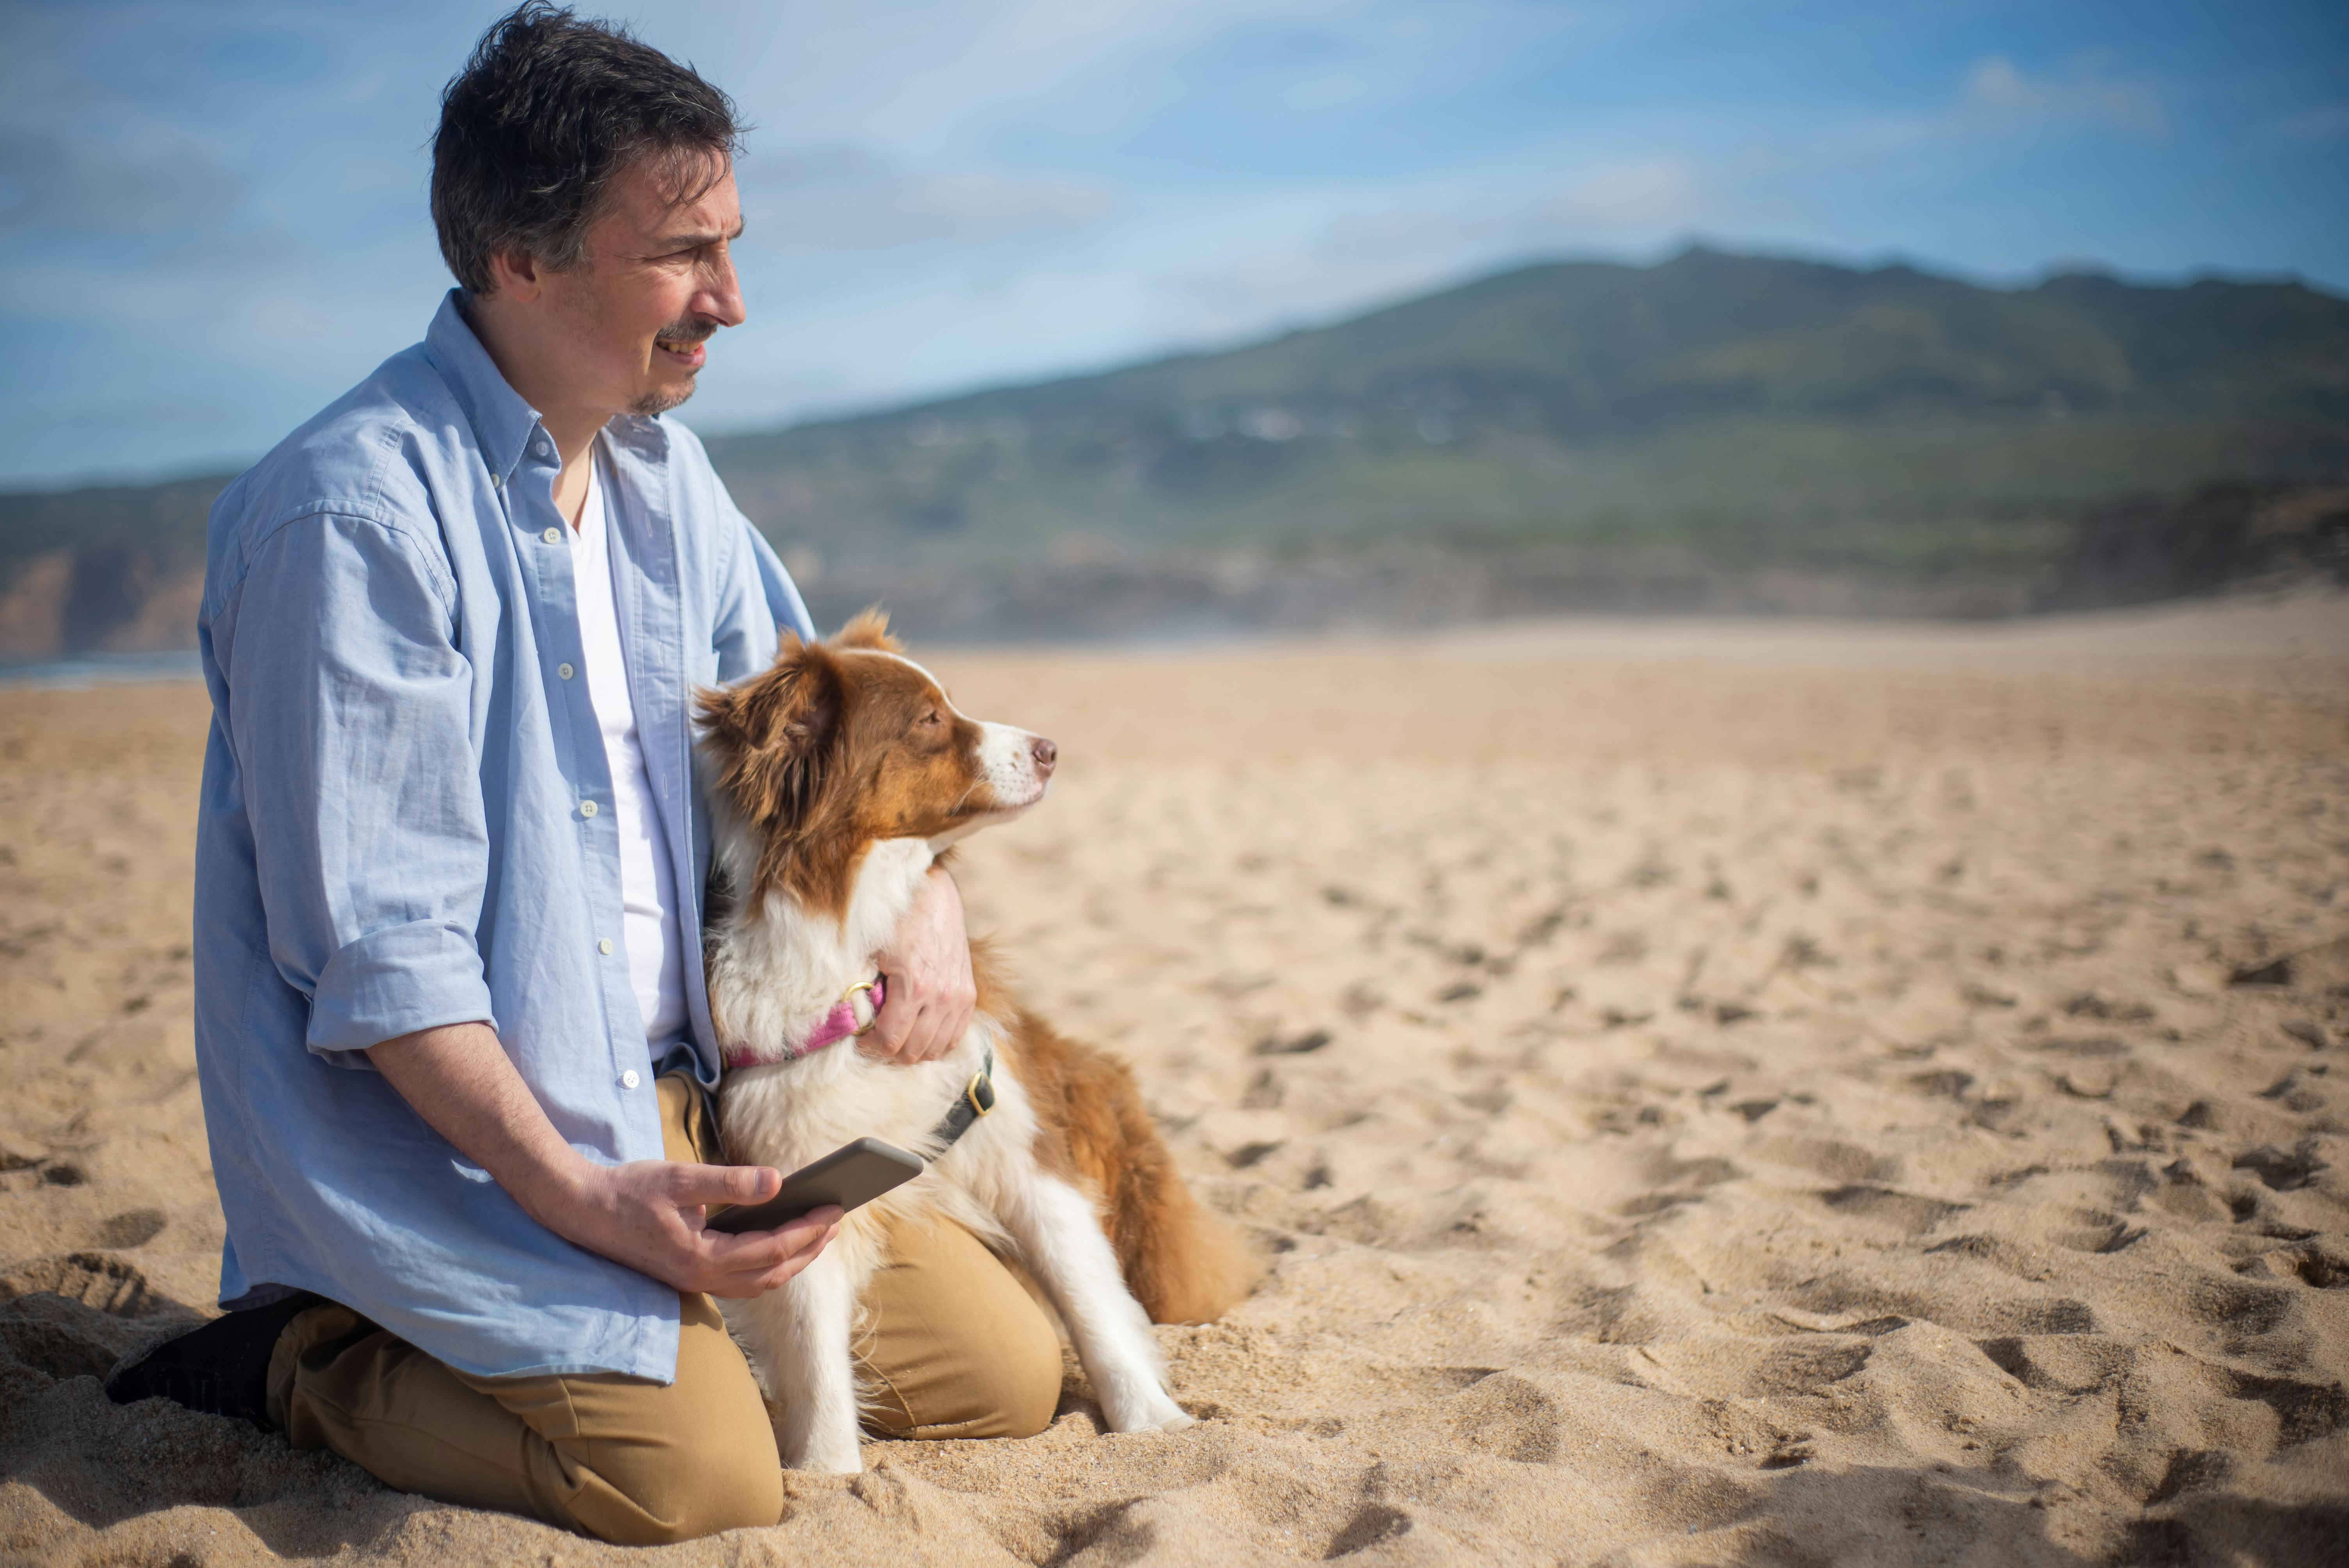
(838, 778)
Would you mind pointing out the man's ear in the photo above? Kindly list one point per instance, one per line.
(772, 737)
(513, 274)
(869, 629)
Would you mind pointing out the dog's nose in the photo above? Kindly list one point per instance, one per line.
(1044, 752)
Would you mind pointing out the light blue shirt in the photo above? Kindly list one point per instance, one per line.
(407, 821)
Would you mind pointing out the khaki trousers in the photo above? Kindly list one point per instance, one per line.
(953, 1343)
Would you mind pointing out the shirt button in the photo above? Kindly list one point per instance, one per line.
(629, 1080)
(552, 536)
(565, 671)
(587, 808)
(496, 482)
(605, 948)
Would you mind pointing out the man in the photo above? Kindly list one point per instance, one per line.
(455, 1049)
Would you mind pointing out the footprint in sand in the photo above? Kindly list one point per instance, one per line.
(75, 1314)
(132, 1228)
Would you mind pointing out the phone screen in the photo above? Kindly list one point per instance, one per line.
(850, 1176)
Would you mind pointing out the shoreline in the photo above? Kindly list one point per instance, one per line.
(2311, 620)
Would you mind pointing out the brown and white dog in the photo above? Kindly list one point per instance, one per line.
(838, 776)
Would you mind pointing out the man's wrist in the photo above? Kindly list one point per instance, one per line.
(554, 1187)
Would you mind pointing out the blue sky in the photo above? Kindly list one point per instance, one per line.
(212, 215)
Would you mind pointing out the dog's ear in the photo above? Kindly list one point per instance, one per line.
(869, 629)
(772, 737)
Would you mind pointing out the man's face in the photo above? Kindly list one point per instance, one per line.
(657, 279)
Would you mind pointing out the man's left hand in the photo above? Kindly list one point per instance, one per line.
(930, 989)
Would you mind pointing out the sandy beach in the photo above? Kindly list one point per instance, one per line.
(1774, 1093)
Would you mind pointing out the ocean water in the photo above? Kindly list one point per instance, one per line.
(97, 669)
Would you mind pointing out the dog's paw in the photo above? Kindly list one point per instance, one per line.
(825, 1459)
(1150, 1412)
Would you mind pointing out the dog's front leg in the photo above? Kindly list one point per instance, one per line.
(1061, 1241)
(801, 1333)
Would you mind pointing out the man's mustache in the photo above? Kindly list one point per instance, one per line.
(690, 331)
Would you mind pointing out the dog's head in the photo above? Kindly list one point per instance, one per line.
(846, 742)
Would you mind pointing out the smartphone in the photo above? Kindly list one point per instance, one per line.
(850, 1175)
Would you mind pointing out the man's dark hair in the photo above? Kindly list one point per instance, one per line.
(543, 116)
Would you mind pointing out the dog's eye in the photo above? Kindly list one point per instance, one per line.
(932, 718)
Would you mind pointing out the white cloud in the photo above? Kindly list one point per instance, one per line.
(2326, 122)
(1608, 203)
(57, 188)
(1240, 295)
(1642, 196)
(839, 199)
(1996, 93)
(923, 80)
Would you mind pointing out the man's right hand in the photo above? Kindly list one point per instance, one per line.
(649, 1215)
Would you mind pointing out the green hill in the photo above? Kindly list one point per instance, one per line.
(1714, 432)
(1751, 409)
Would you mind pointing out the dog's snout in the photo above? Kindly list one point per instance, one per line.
(1044, 752)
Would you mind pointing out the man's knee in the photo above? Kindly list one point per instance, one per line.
(1008, 1389)
(646, 1465)
(956, 1347)
(701, 1486)
(1023, 1384)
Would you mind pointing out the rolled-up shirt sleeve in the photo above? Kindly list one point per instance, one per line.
(349, 712)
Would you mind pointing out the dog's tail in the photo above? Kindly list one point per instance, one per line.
(1182, 1263)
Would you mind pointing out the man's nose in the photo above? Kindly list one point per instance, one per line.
(722, 298)
(1045, 753)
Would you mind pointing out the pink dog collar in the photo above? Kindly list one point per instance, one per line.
(840, 1023)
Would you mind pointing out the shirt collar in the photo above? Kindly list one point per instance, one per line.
(503, 423)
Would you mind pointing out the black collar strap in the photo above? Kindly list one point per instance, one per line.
(977, 1099)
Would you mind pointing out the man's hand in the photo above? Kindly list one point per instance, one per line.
(931, 991)
(648, 1214)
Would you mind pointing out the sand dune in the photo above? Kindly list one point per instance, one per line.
(1771, 1095)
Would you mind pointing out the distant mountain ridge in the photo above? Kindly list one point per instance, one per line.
(1677, 434)
(1581, 395)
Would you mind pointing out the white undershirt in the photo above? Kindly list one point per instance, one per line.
(647, 885)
